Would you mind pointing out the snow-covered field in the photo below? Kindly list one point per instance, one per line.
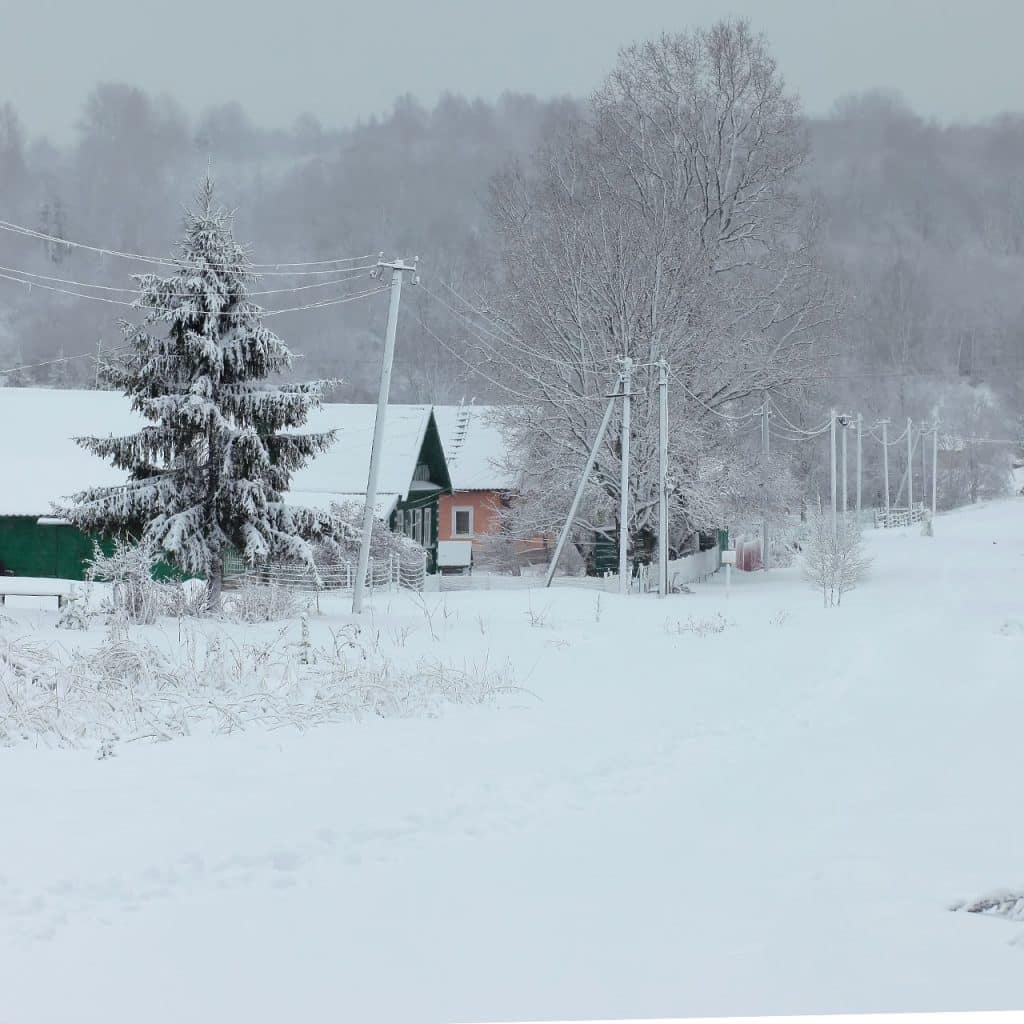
(677, 818)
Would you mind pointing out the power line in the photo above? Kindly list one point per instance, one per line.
(262, 268)
(800, 430)
(357, 271)
(255, 310)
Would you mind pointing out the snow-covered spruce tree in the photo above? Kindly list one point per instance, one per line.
(210, 468)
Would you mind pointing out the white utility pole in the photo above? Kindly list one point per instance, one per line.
(846, 504)
(910, 465)
(935, 462)
(662, 478)
(832, 466)
(624, 575)
(99, 361)
(398, 269)
(860, 462)
(924, 467)
(885, 463)
(581, 486)
(766, 448)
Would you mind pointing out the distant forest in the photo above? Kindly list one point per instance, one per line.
(920, 225)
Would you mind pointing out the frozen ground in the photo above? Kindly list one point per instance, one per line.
(769, 819)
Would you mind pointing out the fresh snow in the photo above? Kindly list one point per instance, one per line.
(340, 473)
(37, 427)
(42, 464)
(476, 447)
(677, 819)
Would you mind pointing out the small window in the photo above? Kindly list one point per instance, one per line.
(428, 528)
(462, 522)
(416, 526)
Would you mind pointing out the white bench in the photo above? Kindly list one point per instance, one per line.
(33, 586)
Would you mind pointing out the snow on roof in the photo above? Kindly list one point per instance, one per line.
(39, 460)
(340, 473)
(41, 464)
(476, 447)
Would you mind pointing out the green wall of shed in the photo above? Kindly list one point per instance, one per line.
(54, 552)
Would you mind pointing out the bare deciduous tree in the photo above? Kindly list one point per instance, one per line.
(834, 558)
(664, 225)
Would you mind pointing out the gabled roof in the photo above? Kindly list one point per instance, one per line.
(40, 463)
(341, 472)
(476, 447)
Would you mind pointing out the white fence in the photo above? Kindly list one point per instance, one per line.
(896, 517)
(392, 573)
(694, 568)
(688, 569)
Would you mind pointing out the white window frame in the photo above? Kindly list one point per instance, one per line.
(455, 518)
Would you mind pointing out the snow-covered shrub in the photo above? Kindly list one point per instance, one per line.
(129, 689)
(384, 542)
(186, 599)
(261, 603)
(834, 558)
(1001, 903)
(699, 627)
(75, 613)
(129, 570)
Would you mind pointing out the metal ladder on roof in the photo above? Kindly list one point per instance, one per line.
(461, 427)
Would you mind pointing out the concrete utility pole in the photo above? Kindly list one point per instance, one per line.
(935, 462)
(662, 478)
(910, 465)
(832, 466)
(924, 468)
(766, 448)
(846, 504)
(624, 575)
(885, 463)
(860, 462)
(581, 486)
(398, 269)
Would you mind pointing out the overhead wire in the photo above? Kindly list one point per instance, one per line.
(297, 269)
(26, 232)
(800, 430)
(170, 309)
(34, 279)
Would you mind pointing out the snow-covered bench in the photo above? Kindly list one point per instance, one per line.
(33, 586)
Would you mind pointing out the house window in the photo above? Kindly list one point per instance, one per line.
(428, 527)
(416, 526)
(462, 522)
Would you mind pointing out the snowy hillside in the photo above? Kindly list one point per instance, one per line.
(715, 803)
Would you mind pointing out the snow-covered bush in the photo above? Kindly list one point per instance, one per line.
(384, 542)
(129, 689)
(1001, 903)
(76, 613)
(129, 570)
(185, 599)
(698, 627)
(261, 603)
(834, 558)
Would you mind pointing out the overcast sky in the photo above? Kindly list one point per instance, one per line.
(342, 59)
